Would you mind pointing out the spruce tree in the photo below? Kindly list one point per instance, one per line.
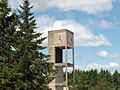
(8, 68)
(116, 80)
(37, 71)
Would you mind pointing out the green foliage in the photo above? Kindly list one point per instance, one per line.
(35, 67)
(8, 68)
(116, 80)
(94, 80)
(22, 64)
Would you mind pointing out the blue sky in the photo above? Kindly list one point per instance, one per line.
(95, 24)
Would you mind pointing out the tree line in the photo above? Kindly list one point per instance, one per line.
(94, 80)
(22, 64)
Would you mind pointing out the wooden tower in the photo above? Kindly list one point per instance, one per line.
(59, 40)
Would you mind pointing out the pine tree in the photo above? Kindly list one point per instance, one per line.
(37, 72)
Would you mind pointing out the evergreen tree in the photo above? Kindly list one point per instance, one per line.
(103, 83)
(8, 68)
(116, 80)
(37, 72)
(94, 80)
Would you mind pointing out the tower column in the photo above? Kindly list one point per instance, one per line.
(58, 41)
(66, 67)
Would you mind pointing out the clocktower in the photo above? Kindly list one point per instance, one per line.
(59, 44)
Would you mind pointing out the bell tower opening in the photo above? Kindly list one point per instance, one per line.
(58, 55)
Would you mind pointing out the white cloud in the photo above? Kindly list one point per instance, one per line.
(105, 54)
(88, 6)
(114, 65)
(39, 5)
(105, 24)
(82, 34)
(110, 66)
(97, 66)
(44, 24)
(102, 54)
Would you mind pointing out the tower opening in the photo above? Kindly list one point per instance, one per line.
(58, 55)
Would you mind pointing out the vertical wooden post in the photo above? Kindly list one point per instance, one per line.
(73, 66)
(66, 67)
